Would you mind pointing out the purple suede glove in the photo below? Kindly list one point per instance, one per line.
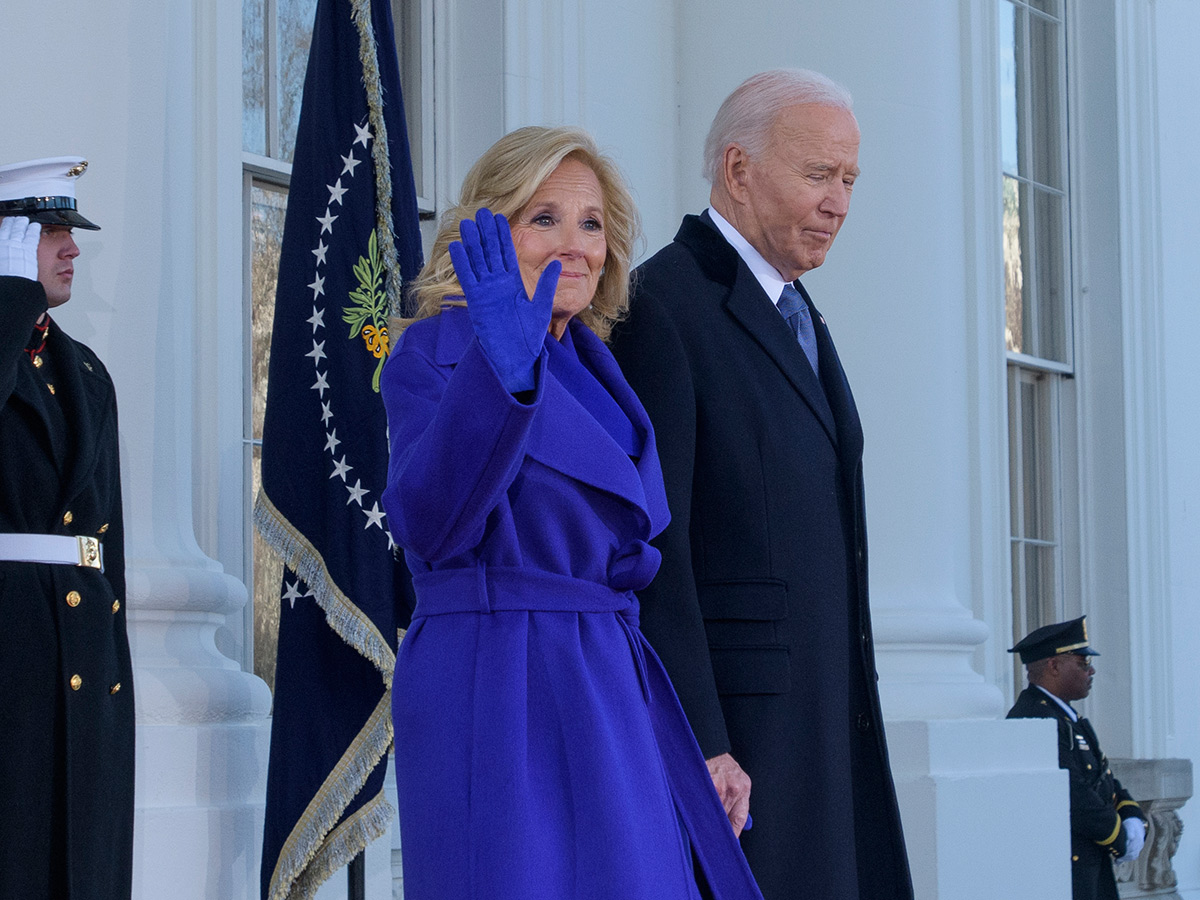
(509, 325)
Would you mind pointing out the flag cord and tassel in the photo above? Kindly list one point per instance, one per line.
(368, 55)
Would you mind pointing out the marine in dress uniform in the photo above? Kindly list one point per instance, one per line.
(1106, 823)
(66, 739)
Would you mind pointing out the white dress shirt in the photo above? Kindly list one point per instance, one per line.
(768, 276)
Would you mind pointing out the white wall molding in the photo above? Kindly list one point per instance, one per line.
(1142, 316)
(987, 417)
(543, 54)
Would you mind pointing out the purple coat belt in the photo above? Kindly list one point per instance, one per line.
(484, 590)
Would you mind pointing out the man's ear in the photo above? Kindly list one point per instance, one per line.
(735, 173)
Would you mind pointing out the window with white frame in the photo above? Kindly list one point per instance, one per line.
(276, 35)
(1037, 297)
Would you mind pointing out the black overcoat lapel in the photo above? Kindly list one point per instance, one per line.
(837, 389)
(753, 310)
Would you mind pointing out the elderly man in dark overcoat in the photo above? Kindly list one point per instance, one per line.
(760, 608)
(66, 738)
(1107, 824)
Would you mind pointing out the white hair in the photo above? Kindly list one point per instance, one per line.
(746, 116)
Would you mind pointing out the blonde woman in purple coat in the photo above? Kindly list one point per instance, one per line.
(541, 751)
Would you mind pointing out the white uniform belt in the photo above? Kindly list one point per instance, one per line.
(52, 548)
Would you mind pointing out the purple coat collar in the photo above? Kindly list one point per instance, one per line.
(564, 435)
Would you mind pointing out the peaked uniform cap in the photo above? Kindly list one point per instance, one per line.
(44, 191)
(1051, 640)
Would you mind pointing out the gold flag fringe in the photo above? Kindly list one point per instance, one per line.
(343, 616)
(315, 849)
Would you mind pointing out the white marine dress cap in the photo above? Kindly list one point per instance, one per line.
(44, 191)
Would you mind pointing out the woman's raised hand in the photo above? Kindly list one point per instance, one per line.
(510, 326)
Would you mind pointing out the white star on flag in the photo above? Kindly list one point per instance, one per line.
(331, 441)
(322, 385)
(356, 493)
(340, 469)
(351, 163)
(326, 412)
(374, 517)
(317, 352)
(318, 286)
(363, 134)
(317, 318)
(327, 222)
(293, 593)
(335, 192)
(319, 253)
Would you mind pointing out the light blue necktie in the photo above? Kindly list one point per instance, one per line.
(795, 310)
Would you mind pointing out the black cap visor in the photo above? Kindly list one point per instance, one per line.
(48, 211)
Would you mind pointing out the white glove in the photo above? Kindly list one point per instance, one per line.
(18, 246)
(1135, 839)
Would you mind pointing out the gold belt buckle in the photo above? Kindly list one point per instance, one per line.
(89, 552)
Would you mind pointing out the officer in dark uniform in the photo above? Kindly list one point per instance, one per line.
(1106, 823)
(66, 733)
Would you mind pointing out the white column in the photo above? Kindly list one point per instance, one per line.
(1178, 192)
(126, 85)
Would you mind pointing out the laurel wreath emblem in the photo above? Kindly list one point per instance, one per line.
(367, 313)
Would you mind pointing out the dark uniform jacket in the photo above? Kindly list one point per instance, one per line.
(759, 610)
(66, 736)
(1099, 805)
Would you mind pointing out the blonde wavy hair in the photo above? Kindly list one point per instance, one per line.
(504, 180)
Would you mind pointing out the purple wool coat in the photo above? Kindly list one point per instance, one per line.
(541, 751)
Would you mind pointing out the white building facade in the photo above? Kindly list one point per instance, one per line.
(1084, 423)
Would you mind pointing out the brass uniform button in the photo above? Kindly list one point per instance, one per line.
(103, 528)
(76, 682)
(38, 362)
(116, 606)
(116, 687)
(73, 598)
(68, 517)
(51, 388)
(1074, 859)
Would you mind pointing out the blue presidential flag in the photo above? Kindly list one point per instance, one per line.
(350, 243)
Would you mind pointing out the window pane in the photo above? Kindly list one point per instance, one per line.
(1031, 438)
(1050, 289)
(1040, 580)
(1008, 87)
(1047, 115)
(267, 207)
(268, 572)
(1032, 443)
(1016, 501)
(406, 16)
(254, 86)
(1016, 238)
(294, 38)
(1050, 7)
